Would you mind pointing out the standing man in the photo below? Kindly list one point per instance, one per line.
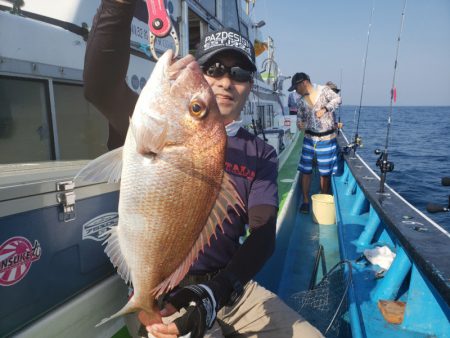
(218, 296)
(335, 89)
(316, 117)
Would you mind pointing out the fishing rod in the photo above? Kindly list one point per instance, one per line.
(255, 130)
(356, 139)
(339, 109)
(259, 120)
(382, 162)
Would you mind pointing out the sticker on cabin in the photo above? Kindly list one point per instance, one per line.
(17, 254)
(97, 228)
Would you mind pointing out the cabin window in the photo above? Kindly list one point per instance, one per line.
(260, 118)
(25, 123)
(197, 28)
(230, 14)
(209, 5)
(82, 129)
(244, 29)
(269, 116)
(247, 109)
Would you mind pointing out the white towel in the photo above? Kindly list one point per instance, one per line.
(381, 256)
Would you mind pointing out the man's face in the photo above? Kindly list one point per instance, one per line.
(231, 95)
(301, 88)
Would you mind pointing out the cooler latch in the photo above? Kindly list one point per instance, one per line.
(66, 200)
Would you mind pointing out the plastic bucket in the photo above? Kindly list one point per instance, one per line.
(323, 209)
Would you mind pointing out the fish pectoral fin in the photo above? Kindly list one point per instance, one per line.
(227, 196)
(107, 167)
(115, 255)
(150, 136)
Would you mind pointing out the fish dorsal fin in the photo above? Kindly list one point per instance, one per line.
(115, 254)
(227, 197)
(107, 167)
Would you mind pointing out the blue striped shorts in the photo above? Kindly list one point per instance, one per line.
(326, 155)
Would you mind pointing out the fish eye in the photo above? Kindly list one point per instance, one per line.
(197, 108)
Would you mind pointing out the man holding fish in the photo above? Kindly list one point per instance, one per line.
(201, 273)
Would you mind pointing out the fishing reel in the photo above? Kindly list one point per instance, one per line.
(17, 6)
(382, 162)
(357, 143)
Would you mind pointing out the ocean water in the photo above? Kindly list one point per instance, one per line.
(419, 146)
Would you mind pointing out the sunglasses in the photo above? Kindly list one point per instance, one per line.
(236, 73)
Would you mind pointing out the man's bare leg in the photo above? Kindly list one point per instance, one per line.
(306, 183)
(324, 184)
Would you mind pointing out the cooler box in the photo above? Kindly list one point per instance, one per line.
(51, 236)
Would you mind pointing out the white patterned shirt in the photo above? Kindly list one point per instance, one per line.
(326, 98)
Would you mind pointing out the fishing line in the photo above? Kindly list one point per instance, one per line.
(393, 89)
(382, 162)
(340, 94)
(356, 140)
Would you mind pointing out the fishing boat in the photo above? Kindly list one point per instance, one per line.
(384, 264)
(327, 274)
(56, 281)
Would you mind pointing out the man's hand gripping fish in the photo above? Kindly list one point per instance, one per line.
(173, 190)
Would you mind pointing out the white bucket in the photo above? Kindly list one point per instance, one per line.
(323, 209)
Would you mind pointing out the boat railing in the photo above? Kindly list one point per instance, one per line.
(419, 276)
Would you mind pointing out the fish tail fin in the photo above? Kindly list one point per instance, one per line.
(130, 307)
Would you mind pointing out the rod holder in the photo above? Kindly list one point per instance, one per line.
(370, 229)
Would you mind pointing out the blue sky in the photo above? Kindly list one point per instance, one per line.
(324, 36)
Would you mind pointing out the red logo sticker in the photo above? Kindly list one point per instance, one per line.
(16, 256)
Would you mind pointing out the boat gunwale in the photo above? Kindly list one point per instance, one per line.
(430, 264)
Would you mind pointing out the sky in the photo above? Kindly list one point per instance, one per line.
(325, 38)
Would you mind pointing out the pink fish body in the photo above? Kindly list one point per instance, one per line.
(173, 189)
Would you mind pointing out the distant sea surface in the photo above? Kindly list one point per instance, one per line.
(419, 146)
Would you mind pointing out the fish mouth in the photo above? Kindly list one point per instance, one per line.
(175, 67)
(186, 79)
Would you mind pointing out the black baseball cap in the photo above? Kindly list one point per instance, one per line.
(226, 39)
(297, 78)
